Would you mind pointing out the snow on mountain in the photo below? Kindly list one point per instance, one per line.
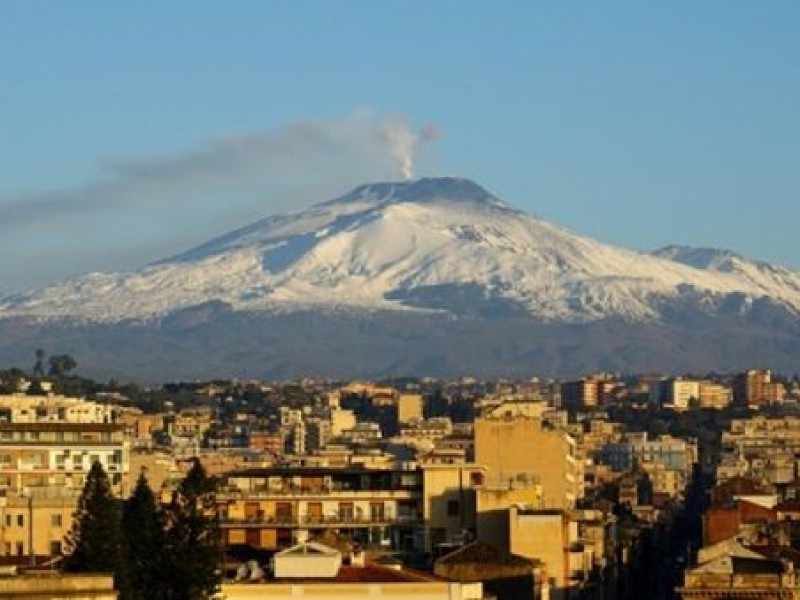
(763, 278)
(411, 246)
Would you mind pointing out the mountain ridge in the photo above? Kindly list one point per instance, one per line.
(440, 251)
(386, 246)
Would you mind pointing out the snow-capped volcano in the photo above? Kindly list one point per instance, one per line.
(439, 244)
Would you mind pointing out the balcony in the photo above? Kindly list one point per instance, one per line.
(320, 522)
(232, 493)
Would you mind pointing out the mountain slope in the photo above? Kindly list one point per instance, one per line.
(440, 244)
(432, 277)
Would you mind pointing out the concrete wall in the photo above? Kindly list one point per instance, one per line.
(63, 587)
(524, 451)
(355, 591)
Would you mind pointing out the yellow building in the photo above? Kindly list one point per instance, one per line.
(449, 503)
(492, 507)
(714, 395)
(522, 451)
(409, 408)
(35, 524)
(552, 537)
(21, 408)
(276, 507)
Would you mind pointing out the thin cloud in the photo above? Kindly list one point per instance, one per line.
(359, 147)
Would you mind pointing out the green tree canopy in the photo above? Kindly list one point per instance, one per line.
(143, 533)
(192, 537)
(61, 364)
(94, 543)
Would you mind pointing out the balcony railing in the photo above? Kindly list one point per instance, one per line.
(320, 521)
(235, 493)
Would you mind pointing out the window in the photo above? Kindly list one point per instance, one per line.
(377, 511)
(55, 548)
(55, 520)
(8, 520)
(284, 537)
(20, 520)
(346, 511)
(453, 509)
(20, 549)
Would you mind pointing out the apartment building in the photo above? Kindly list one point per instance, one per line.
(409, 408)
(587, 392)
(449, 504)
(553, 537)
(46, 450)
(521, 450)
(34, 524)
(40, 454)
(274, 508)
(21, 408)
(676, 392)
(755, 387)
(715, 395)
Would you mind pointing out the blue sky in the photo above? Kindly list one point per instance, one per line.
(131, 131)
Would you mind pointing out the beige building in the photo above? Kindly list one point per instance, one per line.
(409, 408)
(21, 408)
(588, 392)
(275, 508)
(552, 537)
(755, 387)
(35, 524)
(60, 454)
(715, 395)
(524, 451)
(492, 507)
(740, 576)
(378, 583)
(448, 503)
(43, 467)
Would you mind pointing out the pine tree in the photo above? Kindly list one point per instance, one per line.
(95, 541)
(143, 535)
(192, 538)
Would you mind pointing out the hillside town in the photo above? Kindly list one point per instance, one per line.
(606, 487)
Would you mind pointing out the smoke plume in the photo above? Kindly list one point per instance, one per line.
(326, 156)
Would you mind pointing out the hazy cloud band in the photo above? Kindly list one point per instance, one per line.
(359, 147)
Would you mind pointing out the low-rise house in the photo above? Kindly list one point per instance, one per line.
(316, 572)
(503, 574)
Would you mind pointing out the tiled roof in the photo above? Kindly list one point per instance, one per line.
(481, 552)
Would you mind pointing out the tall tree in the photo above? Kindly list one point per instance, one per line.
(95, 541)
(38, 368)
(143, 535)
(61, 365)
(192, 538)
